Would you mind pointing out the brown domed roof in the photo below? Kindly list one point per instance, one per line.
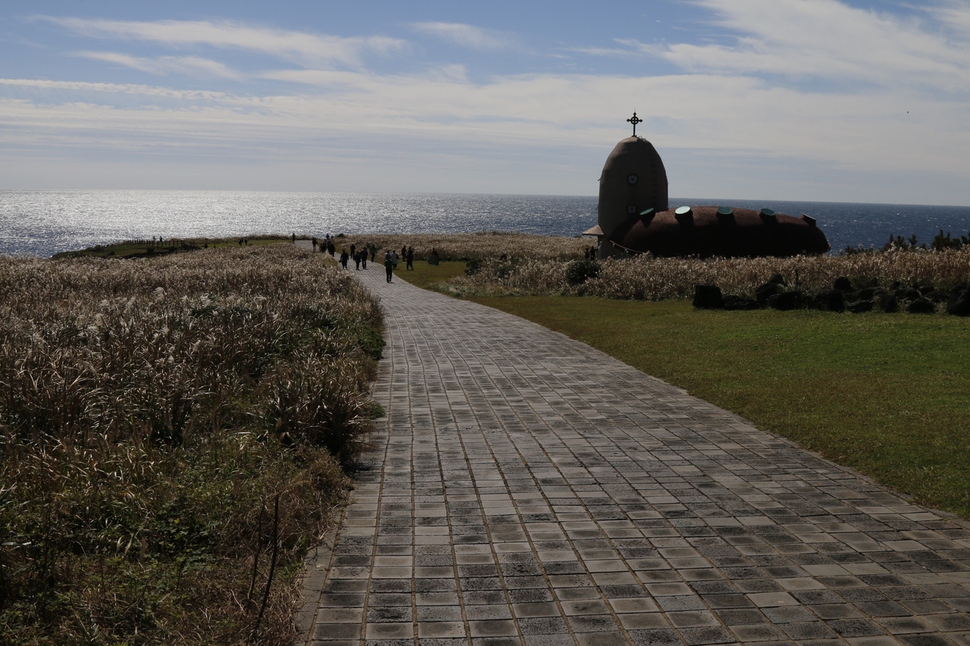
(707, 231)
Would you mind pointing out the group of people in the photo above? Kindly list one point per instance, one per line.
(359, 256)
(326, 245)
(391, 258)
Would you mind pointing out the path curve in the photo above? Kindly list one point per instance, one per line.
(526, 488)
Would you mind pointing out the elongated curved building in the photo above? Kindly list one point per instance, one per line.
(634, 216)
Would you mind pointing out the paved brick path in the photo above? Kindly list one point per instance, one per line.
(525, 488)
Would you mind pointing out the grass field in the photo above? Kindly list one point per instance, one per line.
(888, 395)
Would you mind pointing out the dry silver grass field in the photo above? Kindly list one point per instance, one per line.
(152, 415)
(648, 278)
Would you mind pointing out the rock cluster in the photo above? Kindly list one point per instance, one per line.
(843, 296)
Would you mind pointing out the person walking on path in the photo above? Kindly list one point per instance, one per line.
(344, 257)
(388, 265)
(410, 258)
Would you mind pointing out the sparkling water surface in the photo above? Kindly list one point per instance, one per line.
(42, 223)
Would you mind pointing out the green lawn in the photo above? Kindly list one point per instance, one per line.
(888, 395)
(425, 275)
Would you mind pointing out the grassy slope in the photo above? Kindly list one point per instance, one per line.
(148, 250)
(886, 394)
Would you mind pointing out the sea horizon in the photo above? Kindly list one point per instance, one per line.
(42, 222)
(672, 200)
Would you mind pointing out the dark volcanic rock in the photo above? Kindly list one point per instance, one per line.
(921, 306)
(732, 302)
(907, 294)
(830, 300)
(858, 307)
(888, 303)
(708, 297)
(959, 304)
(791, 300)
(842, 284)
(769, 289)
(766, 291)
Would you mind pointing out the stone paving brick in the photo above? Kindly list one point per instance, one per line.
(524, 488)
(655, 637)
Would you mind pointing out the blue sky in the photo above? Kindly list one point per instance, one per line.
(760, 99)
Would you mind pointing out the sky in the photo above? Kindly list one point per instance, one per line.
(821, 100)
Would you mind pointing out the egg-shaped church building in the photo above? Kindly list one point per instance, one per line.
(634, 216)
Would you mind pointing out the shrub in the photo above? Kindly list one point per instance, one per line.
(473, 266)
(579, 271)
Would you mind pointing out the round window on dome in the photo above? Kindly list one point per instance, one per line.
(631, 209)
(632, 178)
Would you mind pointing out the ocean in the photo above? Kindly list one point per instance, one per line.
(42, 223)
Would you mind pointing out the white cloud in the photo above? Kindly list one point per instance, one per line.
(189, 65)
(628, 48)
(301, 47)
(954, 14)
(865, 131)
(829, 40)
(348, 80)
(538, 117)
(113, 88)
(464, 35)
(788, 82)
(330, 79)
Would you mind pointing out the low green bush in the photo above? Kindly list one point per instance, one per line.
(579, 271)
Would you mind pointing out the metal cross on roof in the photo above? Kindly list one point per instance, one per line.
(635, 120)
